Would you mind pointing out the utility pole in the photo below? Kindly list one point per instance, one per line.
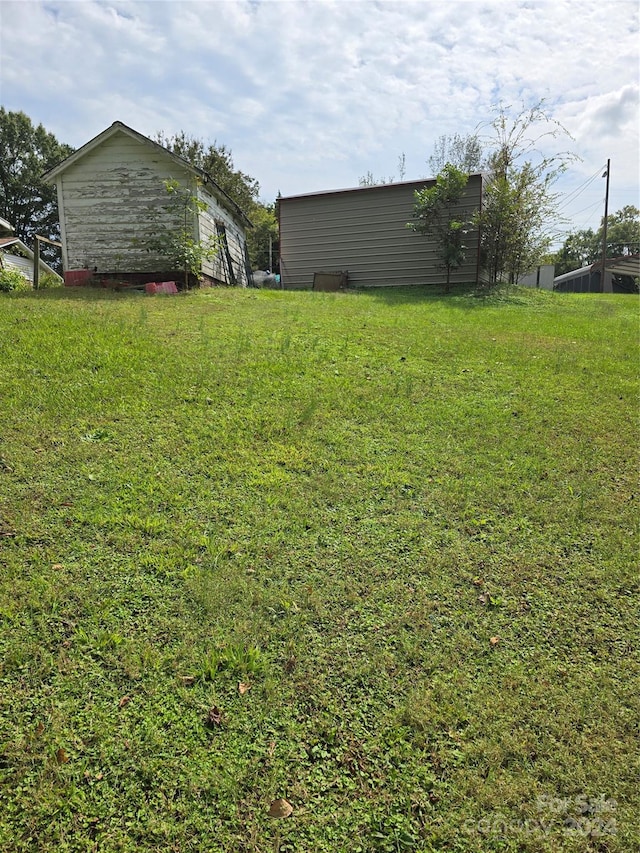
(605, 287)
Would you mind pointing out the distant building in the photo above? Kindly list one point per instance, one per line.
(112, 197)
(363, 233)
(16, 255)
(541, 277)
(621, 276)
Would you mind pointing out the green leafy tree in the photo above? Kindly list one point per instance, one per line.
(30, 205)
(434, 214)
(584, 247)
(519, 203)
(262, 237)
(217, 161)
(623, 232)
(174, 233)
(578, 250)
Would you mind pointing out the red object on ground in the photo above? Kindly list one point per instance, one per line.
(76, 278)
(161, 287)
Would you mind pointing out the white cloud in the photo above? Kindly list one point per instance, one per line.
(310, 95)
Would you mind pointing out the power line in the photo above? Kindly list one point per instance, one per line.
(574, 194)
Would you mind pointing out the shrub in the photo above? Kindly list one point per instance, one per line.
(49, 280)
(13, 280)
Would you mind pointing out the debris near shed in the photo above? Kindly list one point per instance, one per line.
(154, 287)
(330, 281)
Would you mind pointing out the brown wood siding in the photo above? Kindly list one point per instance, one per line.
(364, 232)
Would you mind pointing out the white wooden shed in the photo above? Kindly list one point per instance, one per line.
(113, 203)
(16, 255)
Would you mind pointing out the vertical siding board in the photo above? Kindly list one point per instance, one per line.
(364, 231)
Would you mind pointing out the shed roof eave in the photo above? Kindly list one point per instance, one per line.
(417, 184)
(7, 242)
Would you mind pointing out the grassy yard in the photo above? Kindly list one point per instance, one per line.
(372, 554)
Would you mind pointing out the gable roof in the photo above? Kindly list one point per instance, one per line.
(8, 242)
(120, 127)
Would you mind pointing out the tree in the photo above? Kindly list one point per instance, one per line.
(578, 250)
(435, 214)
(369, 180)
(217, 161)
(30, 205)
(262, 236)
(519, 204)
(582, 248)
(464, 152)
(623, 232)
(173, 235)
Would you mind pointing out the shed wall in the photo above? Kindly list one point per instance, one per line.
(16, 262)
(236, 240)
(364, 232)
(113, 200)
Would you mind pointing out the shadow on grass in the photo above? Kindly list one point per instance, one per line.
(83, 294)
(468, 296)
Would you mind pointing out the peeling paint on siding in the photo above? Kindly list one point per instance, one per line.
(113, 200)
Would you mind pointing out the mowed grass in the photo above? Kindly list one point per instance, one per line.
(372, 553)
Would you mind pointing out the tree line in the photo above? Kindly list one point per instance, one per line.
(518, 213)
(28, 151)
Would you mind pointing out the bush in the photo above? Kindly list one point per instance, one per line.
(13, 280)
(49, 280)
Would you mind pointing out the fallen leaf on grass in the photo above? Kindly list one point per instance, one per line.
(214, 717)
(243, 687)
(57, 566)
(494, 641)
(280, 808)
(40, 728)
(124, 701)
(61, 756)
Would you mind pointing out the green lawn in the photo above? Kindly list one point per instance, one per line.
(372, 553)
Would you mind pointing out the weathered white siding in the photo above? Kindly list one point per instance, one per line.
(214, 216)
(364, 231)
(113, 202)
(16, 262)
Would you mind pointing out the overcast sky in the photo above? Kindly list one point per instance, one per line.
(312, 95)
